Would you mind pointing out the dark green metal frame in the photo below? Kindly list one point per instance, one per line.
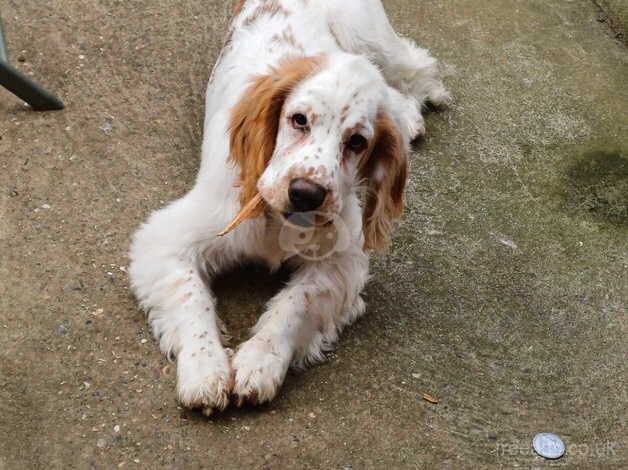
(22, 86)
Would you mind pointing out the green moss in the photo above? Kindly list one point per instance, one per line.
(595, 184)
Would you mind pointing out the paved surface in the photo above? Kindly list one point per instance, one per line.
(617, 11)
(504, 295)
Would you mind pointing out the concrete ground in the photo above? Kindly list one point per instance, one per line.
(617, 13)
(504, 294)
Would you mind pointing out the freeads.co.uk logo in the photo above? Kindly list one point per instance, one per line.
(314, 235)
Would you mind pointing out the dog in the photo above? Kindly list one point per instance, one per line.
(310, 112)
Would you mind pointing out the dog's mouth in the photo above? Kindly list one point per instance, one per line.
(314, 219)
(310, 219)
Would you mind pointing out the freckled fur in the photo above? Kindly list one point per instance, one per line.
(342, 62)
(266, 7)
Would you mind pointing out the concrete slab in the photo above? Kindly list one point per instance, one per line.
(617, 10)
(504, 295)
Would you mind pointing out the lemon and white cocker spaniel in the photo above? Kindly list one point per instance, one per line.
(310, 111)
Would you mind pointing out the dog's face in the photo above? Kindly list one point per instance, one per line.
(309, 134)
(326, 127)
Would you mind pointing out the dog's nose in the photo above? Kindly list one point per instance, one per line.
(306, 196)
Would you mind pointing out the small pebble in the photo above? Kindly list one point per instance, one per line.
(509, 243)
(143, 341)
(106, 127)
(63, 330)
(101, 443)
(116, 428)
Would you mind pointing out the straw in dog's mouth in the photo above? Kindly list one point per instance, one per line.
(302, 219)
(245, 212)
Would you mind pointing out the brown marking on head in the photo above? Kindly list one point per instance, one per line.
(385, 167)
(278, 193)
(269, 7)
(344, 114)
(321, 170)
(304, 139)
(237, 7)
(287, 37)
(255, 120)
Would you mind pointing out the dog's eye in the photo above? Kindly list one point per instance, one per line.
(299, 121)
(357, 143)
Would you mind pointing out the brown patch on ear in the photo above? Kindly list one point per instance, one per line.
(386, 170)
(255, 121)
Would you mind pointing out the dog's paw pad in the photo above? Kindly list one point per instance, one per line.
(204, 381)
(259, 373)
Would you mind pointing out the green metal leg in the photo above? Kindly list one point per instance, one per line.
(22, 86)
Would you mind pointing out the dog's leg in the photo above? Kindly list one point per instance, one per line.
(301, 322)
(166, 273)
(362, 27)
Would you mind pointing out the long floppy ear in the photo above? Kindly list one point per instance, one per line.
(255, 121)
(386, 170)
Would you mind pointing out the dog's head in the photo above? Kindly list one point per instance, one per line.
(314, 130)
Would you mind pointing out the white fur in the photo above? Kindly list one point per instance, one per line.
(177, 250)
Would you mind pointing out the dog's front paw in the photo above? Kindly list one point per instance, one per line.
(416, 126)
(408, 112)
(204, 378)
(260, 369)
(437, 95)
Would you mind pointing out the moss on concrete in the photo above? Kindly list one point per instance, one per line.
(596, 185)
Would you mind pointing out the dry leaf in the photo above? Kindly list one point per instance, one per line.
(430, 398)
